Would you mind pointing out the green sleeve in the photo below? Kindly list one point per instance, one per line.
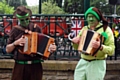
(109, 46)
(75, 46)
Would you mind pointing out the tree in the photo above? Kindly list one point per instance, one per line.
(5, 8)
(102, 5)
(50, 7)
(16, 3)
(74, 6)
(34, 9)
(59, 3)
(77, 6)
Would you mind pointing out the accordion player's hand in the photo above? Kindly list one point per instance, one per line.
(76, 40)
(27, 31)
(52, 47)
(96, 43)
(21, 41)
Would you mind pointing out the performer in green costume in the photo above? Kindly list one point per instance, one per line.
(94, 67)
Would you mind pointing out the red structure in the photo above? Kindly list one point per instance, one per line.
(53, 26)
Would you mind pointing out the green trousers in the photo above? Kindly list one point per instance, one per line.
(94, 70)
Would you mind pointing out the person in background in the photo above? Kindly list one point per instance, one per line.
(94, 67)
(27, 67)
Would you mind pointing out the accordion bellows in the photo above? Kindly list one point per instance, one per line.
(86, 40)
(37, 43)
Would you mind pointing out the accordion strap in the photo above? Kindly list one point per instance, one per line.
(20, 28)
(23, 29)
(96, 28)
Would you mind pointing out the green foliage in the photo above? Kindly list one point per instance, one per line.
(118, 10)
(5, 8)
(51, 7)
(102, 5)
(74, 6)
(59, 3)
(16, 3)
(34, 9)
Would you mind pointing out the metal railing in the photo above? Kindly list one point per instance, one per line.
(56, 26)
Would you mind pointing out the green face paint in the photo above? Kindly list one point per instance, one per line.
(24, 22)
(92, 20)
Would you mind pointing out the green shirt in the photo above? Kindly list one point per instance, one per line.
(108, 46)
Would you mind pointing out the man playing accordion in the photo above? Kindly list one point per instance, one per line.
(93, 67)
(27, 67)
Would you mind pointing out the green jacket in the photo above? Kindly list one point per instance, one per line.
(108, 46)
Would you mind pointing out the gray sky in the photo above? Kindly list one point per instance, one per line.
(32, 2)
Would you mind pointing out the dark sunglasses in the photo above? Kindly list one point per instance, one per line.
(24, 19)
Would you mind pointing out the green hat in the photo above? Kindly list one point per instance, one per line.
(91, 11)
(97, 13)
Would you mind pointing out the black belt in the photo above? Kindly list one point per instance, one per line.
(92, 59)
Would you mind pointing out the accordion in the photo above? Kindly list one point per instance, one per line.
(37, 43)
(86, 40)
